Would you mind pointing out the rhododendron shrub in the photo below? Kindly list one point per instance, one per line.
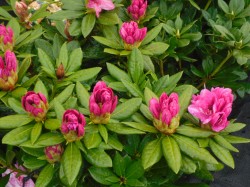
(110, 93)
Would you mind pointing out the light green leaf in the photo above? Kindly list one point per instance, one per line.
(14, 121)
(23, 68)
(66, 14)
(35, 132)
(82, 94)
(84, 74)
(185, 98)
(53, 124)
(88, 23)
(151, 153)
(141, 126)
(126, 109)
(132, 88)
(16, 105)
(45, 176)
(50, 138)
(224, 143)
(233, 127)
(148, 95)
(236, 139)
(117, 73)
(59, 109)
(75, 60)
(92, 140)
(119, 128)
(108, 18)
(187, 165)
(151, 34)
(223, 5)
(46, 61)
(63, 56)
(172, 154)
(107, 42)
(98, 157)
(193, 132)
(103, 132)
(71, 162)
(40, 88)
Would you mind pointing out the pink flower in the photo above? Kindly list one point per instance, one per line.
(22, 10)
(99, 5)
(165, 112)
(6, 35)
(73, 125)
(137, 9)
(53, 153)
(102, 103)
(212, 107)
(131, 35)
(17, 180)
(35, 104)
(8, 71)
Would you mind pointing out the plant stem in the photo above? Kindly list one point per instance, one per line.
(208, 4)
(161, 68)
(229, 54)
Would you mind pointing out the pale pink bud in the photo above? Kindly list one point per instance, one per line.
(73, 125)
(35, 104)
(102, 103)
(8, 71)
(212, 107)
(131, 35)
(137, 9)
(98, 5)
(53, 153)
(17, 180)
(21, 10)
(165, 112)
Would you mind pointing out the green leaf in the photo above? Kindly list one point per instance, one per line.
(223, 5)
(172, 154)
(132, 88)
(84, 74)
(49, 138)
(108, 18)
(40, 87)
(118, 86)
(236, 6)
(107, 42)
(134, 182)
(88, 23)
(184, 99)
(5, 14)
(119, 128)
(187, 165)
(134, 170)
(169, 29)
(148, 64)
(236, 139)
(13, 23)
(156, 48)
(192, 36)
(46, 61)
(23, 68)
(178, 22)
(194, 4)
(224, 32)
(71, 162)
(193, 132)
(151, 153)
(35, 133)
(30, 38)
(103, 132)
(33, 163)
(152, 34)
(233, 127)
(126, 109)
(115, 143)
(98, 157)
(73, 5)
(14, 121)
(224, 143)
(119, 165)
(222, 153)
(101, 174)
(135, 65)
(146, 112)
(203, 142)
(117, 73)
(45, 176)
(66, 14)
(148, 95)
(141, 126)
(59, 109)
(75, 60)
(16, 105)
(92, 140)
(111, 51)
(18, 135)
(82, 94)
(52, 124)
(192, 149)
(64, 95)
(63, 56)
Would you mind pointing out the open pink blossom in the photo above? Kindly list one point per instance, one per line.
(212, 107)
(137, 9)
(102, 103)
(73, 125)
(165, 112)
(35, 104)
(99, 5)
(17, 180)
(132, 35)
(8, 71)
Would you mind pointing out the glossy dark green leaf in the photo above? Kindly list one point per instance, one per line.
(134, 170)
(88, 23)
(101, 174)
(98, 158)
(119, 165)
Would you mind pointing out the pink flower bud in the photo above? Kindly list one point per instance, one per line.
(53, 153)
(35, 104)
(6, 38)
(212, 107)
(137, 9)
(165, 112)
(131, 35)
(17, 180)
(73, 125)
(21, 10)
(98, 5)
(8, 71)
(102, 103)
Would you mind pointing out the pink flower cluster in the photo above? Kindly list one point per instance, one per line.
(35, 104)
(17, 180)
(8, 71)
(137, 9)
(212, 107)
(165, 112)
(6, 35)
(102, 103)
(73, 125)
(132, 35)
(53, 153)
(98, 5)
